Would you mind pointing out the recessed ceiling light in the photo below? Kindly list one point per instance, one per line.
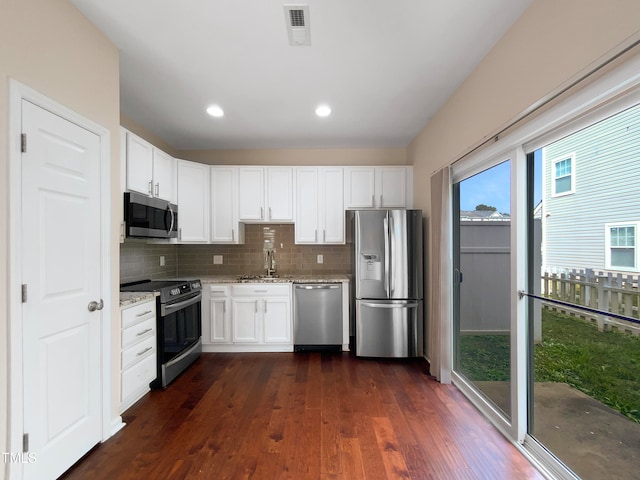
(215, 111)
(323, 110)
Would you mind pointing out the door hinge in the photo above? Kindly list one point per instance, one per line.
(23, 143)
(24, 293)
(25, 442)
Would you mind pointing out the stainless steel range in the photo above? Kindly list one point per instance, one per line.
(179, 324)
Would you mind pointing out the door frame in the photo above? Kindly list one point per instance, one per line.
(17, 93)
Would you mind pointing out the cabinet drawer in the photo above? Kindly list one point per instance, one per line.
(138, 351)
(138, 332)
(138, 313)
(260, 290)
(218, 290)
(137, 377)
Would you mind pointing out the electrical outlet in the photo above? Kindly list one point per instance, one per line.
(162, 260)
(320, 259)
(217, 259)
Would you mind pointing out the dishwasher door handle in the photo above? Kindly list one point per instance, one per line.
(317, 287)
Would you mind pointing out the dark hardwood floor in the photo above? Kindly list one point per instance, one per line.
(304, 416)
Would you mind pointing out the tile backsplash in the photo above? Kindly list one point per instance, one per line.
(139, 260)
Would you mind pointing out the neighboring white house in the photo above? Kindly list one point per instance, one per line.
(591, 197)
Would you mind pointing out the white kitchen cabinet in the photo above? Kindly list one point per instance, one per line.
(193, 202)
(265, 194)
(378, 187)
(277, 320)
(246, 320)
(247, 317)
(150, 171)
(216, 314)
(138, 351)
(225, 226)
(319, 205)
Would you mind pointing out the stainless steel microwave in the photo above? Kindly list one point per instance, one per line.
(147, 217)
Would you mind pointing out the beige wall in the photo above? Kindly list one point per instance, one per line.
(554, 43)
(551, 45)
(49, 46)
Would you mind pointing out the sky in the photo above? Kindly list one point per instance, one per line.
(492, 187)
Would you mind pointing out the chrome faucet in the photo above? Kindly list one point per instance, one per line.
(271, 262)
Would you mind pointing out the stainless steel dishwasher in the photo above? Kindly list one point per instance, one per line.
(317, 316)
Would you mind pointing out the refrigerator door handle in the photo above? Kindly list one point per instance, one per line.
(390, 261)
(390, 305)
(386, 254)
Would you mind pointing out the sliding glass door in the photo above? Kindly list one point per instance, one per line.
(482, 235)
(584, 322)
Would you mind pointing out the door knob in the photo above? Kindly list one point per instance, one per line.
(93, 305)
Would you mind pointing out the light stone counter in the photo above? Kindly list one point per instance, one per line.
(288, 278)
(128, 299)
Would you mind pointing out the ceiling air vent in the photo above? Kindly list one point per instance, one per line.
(297, 18)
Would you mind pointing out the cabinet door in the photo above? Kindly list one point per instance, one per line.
(251, 193)
(359, 187)
(219, 327)
(246, 328)
(307, 202)
(139, 165)
(193, 202)
(332, 205)
(164, 176)
(391, 187)
(279, 194)
(277, 320)
(224, 217)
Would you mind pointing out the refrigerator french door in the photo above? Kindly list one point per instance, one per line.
(388, 283)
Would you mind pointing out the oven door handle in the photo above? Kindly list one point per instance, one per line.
(174, 307)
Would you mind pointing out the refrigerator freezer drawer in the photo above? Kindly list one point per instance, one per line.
(388, 328)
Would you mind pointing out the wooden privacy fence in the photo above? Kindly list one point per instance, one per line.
(614, 293)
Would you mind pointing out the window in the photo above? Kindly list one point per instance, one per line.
(621, 251)
(563, 175)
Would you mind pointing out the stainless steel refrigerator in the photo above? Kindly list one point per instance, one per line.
(388, 283)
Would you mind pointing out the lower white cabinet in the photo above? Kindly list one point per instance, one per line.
(138, 354)
(247, 317)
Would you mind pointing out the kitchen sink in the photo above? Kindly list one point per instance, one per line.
(264, 278)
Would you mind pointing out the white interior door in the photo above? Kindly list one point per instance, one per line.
(61, 268)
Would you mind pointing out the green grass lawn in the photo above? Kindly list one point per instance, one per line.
(604, 365)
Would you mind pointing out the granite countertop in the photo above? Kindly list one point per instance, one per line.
(128, 299)
(288, 278)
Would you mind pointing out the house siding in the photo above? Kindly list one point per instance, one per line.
(607, 170)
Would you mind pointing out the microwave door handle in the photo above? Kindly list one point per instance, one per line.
(172, 219)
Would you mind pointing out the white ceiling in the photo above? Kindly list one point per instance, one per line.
(384, 66)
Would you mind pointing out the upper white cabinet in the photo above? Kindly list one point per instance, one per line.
(225, 226)
(265, 194)
(150, 171)
(378, 187)
(319, 205)
(193, 202)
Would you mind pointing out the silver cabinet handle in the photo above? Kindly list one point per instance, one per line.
(255, 309)
(233, 235)
(157, 189)
(261, 212)
(144, 313)
(324, 236)
(139, 334)
(150, 188)
(93, 305)
(373, 200)
(265, 306)
(270, 215)
(381, 202)
(144, 351)
(315, 235)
